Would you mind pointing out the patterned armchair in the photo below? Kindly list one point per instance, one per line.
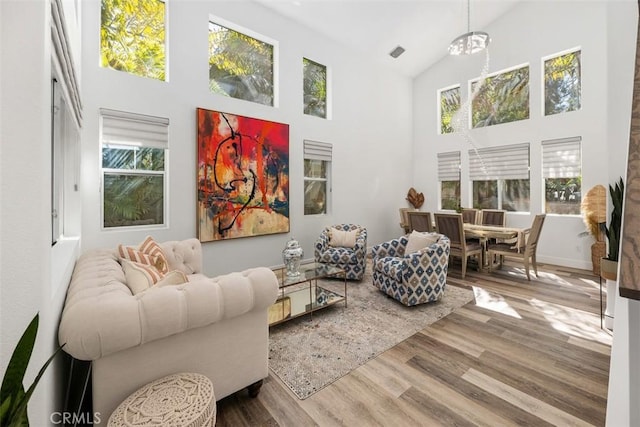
(351, 260)
(414, 278)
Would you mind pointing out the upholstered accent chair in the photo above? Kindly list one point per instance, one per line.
(351, 258)
(451, 225)
(420, 221)
(411, 278)
(526, 253)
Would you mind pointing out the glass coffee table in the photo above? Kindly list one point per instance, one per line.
(300, 295)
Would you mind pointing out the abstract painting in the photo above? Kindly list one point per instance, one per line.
(243, 176)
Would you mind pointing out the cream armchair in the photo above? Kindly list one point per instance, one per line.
(350, 258)
(411, 278)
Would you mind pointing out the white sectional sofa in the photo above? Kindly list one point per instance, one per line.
(213, 326)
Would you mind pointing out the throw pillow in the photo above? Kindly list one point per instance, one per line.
(140, 276)
(174, 277)
(418, 240)
(342, 238)
(149, 252)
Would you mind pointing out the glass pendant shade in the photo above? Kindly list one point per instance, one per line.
(469, 43)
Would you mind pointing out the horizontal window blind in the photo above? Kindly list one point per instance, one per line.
(315, 150)
(449, 166)
(506, 162)
(562, 158)
(119, 127)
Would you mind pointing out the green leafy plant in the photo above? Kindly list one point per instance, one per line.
(13, 398)
(613, 230)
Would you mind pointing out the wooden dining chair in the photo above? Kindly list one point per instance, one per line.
(404, 219)
(526, 252)
(451, 225)
(420, 221)
(493, 217)
(470, 216)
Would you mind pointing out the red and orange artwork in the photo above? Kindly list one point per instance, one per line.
(243, 176)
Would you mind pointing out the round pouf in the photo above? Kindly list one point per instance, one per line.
(179, 400)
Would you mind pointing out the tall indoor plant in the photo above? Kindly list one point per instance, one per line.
(612, 231)
(13, 398)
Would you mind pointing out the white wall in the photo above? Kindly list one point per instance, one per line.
(624, 380)
(27, 281)
(524, 35)
(370, 130)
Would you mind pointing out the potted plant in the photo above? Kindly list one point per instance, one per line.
(609, 265)
(14, 399)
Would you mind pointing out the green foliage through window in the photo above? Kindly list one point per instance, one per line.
(315, 186)
(132, 37)
(133, 186)
(512, 195)
(502, 98)
(450, 195)
(449, 106)
(562, 83)
(314, 88)
(563, 196)
(240, 66)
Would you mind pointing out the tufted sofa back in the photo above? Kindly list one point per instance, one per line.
(184, 255)
(101, 316)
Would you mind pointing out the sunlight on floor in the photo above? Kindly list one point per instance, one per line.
(494, 302)
(573, 322)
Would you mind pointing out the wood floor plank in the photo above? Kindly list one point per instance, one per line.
(522, 353)
(547, 412)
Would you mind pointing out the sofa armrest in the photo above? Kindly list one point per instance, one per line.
(107, 319)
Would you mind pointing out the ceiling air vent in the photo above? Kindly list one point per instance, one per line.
(396, 52)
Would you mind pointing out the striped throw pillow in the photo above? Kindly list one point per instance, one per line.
(140, 277)
(149, 252)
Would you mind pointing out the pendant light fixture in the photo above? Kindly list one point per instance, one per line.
(470, 42)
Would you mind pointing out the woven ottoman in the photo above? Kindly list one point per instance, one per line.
(178, 400)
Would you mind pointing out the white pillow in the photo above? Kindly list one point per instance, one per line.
(418, 240)
(139, 276)
(174, 277)
(342, 238)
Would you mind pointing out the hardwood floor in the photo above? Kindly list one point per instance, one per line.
(523, 353)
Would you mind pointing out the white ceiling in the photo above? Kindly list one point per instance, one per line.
(375, 27)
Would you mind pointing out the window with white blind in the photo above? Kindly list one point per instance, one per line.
(500, 177)
(562, 174)
(317, 177)
(449, 178)
(134, 157)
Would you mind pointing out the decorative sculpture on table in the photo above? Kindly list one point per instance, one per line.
(416, 199)
(292, 255)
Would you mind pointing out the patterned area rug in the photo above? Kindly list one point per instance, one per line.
(309, 353)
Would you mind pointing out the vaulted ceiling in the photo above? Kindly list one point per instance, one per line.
(424, 28)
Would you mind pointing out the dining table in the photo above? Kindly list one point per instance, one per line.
(486, 232)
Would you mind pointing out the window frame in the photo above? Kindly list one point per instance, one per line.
(217, 20)
(326, 89)
(447, 160)
(471, 82)
(320, 151)
(559, 142)
(134, 143)
(439, 106)
(494, 159)
(543, 79)
(165, 61)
